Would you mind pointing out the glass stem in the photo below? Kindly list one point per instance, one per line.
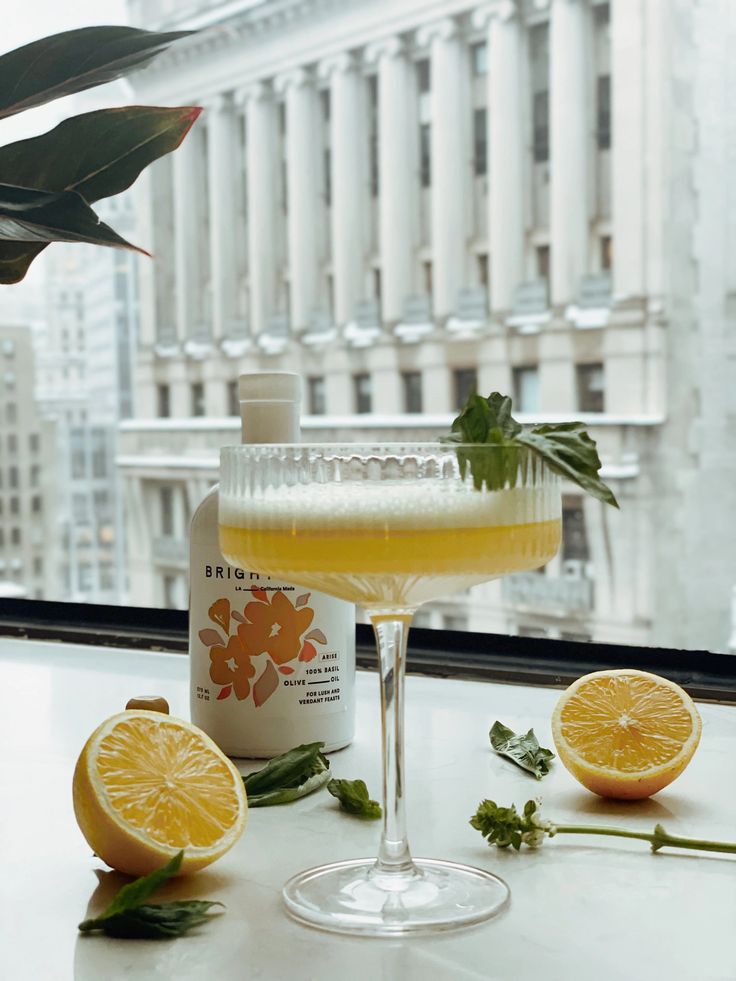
(391, 636)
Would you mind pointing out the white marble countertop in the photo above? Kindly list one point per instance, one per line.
(581, 908)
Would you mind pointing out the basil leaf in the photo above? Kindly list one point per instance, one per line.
(353, 797)
(314, 775)
(524, 750)
(287, 770)
(153, 921)
(566, 448)
(128, 916)
(137, 892)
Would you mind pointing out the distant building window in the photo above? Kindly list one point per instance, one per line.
(412, 382)
(163, 401)
(453, 621)
(15, 536)
(8, 348)
(36, 504)
(483, 269)
(12, 443)
(9, 379)
(166, 503)
(13, 478)
(526, 389)
(170, 591)
(233, 399)
(479, 54)
(362, 393)
(574, 535)
(465, 383)
(328, 177)
(373, 133)
(540, 126)
(316, 399)
(590, 384)
(543, 262)
(377, 285)
(15, 505)
(34, 442)
(35, 474)
(11, 413)
(427, 273)
(606, 252)
(603, 112)
(424, 76)
(2, 538)
(324, 97)
(480, 142)
(425, 155)
(99, 452)
(197, 398)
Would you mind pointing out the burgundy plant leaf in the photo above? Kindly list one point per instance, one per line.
(302, 600)
(317, 635)
(224, 692)
(209, 637)
(266, 685)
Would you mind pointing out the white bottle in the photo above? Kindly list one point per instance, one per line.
(258, 689)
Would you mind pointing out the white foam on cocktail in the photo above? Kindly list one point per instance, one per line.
(390, 504)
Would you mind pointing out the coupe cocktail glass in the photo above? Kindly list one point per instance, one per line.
(388, 527)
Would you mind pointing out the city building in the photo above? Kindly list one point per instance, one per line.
(406, 201)
(28, 540)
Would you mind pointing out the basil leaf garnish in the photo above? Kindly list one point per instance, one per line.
(524, 750)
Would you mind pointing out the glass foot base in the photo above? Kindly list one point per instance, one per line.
(354, 897)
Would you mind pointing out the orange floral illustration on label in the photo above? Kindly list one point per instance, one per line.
(269, 625)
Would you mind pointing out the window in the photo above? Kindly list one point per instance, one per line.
(427, 274)
(12, 443)
(373, 133)
(425, 155)
(479, 54)
(591, 387)
(412, 385)
(15, 536)
(99, 452)
(316, 400)
(163, 401)
(197, 399)
(34, 442)
(480, 142)
(540, 126)
(11, 413)
(606, 252)
(328, 177)
(78, 452)
(574, 536)
(465, 382)
(8, 348)
(171, 599)
(233, 398)
(15, 505)
(543, 262)
(13, 478)
(424, 76)
(603, 112)
(483, 269)
(35, 475)
(166, 507)
(362, 393)
(526, 389)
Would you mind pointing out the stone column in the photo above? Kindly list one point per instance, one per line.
(396, 174)
(569, 145)
(261, 183)
(221, 150)
(506, 149)
(188, 283)
(303, 190)
(349, 183)
(450, 155)
(630, 68)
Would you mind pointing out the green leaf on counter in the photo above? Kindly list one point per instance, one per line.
(353, 798)
(524, 750)
(289, 776)
(129, 917)
(566, 448)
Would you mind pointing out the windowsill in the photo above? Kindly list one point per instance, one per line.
(573, 908)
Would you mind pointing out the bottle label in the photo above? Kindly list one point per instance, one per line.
(272, 664)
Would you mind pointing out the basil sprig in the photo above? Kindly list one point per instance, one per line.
(130, 917)
(353, 797)
(566, 448)
(288, 777)
(524, 750)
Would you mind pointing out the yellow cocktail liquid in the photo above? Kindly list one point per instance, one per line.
(384, 566)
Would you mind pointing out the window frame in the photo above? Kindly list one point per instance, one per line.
(436, 652)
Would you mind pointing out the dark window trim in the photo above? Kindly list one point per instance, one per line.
(439, 653)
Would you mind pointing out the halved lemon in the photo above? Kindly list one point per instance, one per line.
(625, 734)
(147, 785)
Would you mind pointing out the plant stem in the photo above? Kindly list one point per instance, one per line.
(657, 838)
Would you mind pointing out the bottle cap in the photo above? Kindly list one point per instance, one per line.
(270, 386)
(154, 703)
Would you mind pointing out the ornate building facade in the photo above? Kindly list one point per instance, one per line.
(408, 200)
